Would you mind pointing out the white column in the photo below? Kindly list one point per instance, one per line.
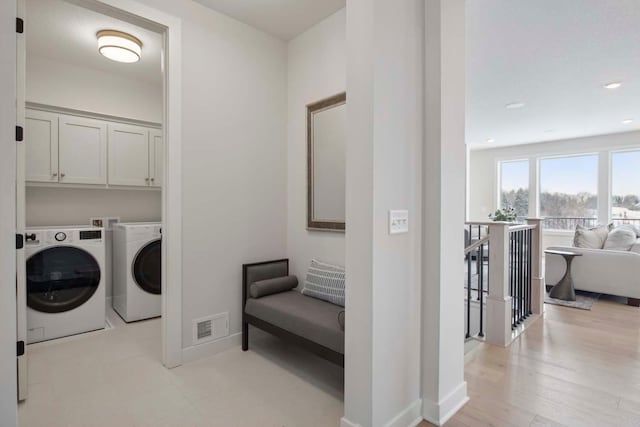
(534, 184)
(604, 187)
(537, 275)
(444, 390)
(499, 300)
(384, 134)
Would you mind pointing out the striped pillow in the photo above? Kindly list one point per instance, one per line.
(325, 282)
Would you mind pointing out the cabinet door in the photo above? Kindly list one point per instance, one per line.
(156, 158)
(41, 143)
(128, 155)
(82, 149)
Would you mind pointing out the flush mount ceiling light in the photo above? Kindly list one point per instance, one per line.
(491, 140)
(627, 121)
(514, 105)
(119, 46)
(613, 85)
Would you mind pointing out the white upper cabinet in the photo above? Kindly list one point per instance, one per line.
(82, 148)
(156, 159)
(69, 149)
(129, 161)
(41, 143)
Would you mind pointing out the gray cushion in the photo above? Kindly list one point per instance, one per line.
(266, 287)
(620, 239)
(307, 317)
(591, 238)
(265, 271)
(325, 281)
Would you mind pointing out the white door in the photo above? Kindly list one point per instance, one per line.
(41, 140)
(155, 157)
(128, 155)
(82, 150)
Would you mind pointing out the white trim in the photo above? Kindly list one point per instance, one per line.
(172, 189)
(346, 423)
(8, 115)
(90, 115)
(411, 416)
(195, 352)
(439, 413)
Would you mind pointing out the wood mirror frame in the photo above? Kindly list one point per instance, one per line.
(313, 223)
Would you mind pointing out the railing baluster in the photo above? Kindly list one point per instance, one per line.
(481, 290)
(468, 334)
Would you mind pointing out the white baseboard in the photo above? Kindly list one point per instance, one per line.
(195, 352)
(346, 423)
(439, 413)
(410, 417)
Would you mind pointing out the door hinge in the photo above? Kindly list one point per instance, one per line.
(19, 25)
(19, 241)
(20, 348)
(19, 133)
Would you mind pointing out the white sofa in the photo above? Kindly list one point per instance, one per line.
(599, 270)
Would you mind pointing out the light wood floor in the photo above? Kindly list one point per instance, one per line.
(571, 368)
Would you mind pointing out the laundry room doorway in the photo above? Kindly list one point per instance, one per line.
(98, 195)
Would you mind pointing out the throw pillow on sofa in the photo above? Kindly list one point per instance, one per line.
(591, 238)
(620, 239)
(325, 282)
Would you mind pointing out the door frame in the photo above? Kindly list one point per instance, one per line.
(170, 28)
(8, 115)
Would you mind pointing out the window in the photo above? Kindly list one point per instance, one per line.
(569, 191)
(625, 187)
(514, 186)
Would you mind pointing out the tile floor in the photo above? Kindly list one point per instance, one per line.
(114, 378)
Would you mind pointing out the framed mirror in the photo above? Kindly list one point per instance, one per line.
(326, 138)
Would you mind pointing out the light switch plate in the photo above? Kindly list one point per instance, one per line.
(398, 222)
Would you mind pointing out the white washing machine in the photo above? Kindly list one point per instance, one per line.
(137, 249)
(65, 281)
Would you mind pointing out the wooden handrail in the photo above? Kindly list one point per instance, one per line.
(476, 245)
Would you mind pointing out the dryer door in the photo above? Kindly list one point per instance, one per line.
(61, 278)
(147, 268)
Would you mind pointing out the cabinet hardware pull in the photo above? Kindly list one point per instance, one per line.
(61, 175)
(54, 174)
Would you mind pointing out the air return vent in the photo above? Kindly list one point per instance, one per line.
(210, 328)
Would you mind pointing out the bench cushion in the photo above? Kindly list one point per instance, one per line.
(307, 317)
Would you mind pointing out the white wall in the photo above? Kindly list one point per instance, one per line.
(483, 179)
(316, 69)
(384, 134)
(8, 390)
(82, 88)
(73, 206)
(234, 157)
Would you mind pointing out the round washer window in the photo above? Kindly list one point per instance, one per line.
(147, 268)
(61, 278)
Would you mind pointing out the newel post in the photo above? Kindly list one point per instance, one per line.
(537, 277)
(499, 298)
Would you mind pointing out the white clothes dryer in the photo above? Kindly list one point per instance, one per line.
(137, 254)
(65, 281)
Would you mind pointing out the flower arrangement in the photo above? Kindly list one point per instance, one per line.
(507, 214)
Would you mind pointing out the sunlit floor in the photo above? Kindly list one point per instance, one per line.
(115, 378)
(571, 368)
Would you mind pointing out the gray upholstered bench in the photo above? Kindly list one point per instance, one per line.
(270, 303)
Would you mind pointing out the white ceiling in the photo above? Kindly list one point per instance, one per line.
(284, 19)
(65, 32)
(554, 56)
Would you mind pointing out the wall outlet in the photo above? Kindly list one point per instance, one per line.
(398, 222)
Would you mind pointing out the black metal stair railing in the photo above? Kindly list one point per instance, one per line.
(477, 280)
(520, 283)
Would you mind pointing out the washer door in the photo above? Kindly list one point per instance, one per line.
(61, 278)
(147, 268)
